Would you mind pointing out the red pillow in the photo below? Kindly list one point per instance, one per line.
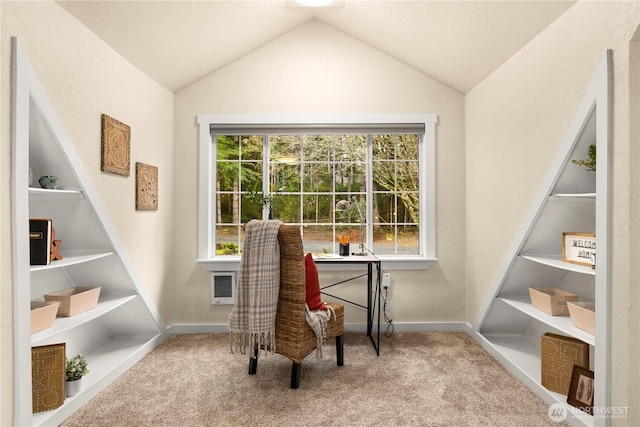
(313, 284)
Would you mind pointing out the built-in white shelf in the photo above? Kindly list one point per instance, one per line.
(106, 303)
(573, 196)
(72, 258)
(561, 323)
(127, 351)
(57, 194)
(570, 199)
(125, 325)
(524, 356)
(556, 262)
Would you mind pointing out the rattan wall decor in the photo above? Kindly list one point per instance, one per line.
(146, 187)
(116, 146)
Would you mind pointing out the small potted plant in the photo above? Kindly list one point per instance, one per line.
(76, 369)
(590, 163)
(265, 201)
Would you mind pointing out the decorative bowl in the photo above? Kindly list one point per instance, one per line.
(49, 182)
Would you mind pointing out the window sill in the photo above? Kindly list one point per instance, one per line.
(233, 264)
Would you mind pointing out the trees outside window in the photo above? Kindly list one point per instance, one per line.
(298, 175)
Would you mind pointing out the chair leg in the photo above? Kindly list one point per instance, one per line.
(253, 362)
(340, 350)
(296, 368)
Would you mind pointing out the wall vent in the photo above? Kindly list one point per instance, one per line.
(223, 288)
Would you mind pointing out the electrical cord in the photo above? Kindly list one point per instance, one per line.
(384, 295)
(390, 327)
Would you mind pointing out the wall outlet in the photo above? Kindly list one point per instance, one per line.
(386, 280)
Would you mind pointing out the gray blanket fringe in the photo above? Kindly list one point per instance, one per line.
(317, 321)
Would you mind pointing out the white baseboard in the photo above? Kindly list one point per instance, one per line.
(185, 328)
(427, 326)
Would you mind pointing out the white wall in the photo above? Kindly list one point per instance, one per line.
(515, 121)
(634, 222)
(6, 292)
(317, 69)
(84, 78)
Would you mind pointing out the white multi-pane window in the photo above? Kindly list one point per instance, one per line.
(298, 171)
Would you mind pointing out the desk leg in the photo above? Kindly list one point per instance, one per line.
(379, 298)
(373, 304)
(369, 292)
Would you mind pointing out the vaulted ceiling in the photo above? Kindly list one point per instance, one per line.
(178, 42)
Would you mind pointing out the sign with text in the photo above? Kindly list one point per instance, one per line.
(579, 248)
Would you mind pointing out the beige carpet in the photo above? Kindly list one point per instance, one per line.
(419, 379)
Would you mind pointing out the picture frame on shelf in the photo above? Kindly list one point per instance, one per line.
(578, 248)
(581, 389)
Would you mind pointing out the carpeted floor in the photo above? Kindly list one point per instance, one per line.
(419, 379)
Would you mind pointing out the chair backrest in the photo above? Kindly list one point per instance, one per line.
(292, 275)
(294, 338)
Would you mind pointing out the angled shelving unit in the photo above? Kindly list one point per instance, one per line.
(570, 199)
(125, 325)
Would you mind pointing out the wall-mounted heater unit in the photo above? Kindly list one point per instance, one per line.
(223, 288)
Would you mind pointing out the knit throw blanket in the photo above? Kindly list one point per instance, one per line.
(253, 318)
(317, 321)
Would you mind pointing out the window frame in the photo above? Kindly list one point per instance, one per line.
(207, 170)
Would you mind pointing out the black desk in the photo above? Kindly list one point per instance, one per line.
(373, 295)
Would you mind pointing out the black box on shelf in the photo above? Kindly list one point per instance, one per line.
(40, 241)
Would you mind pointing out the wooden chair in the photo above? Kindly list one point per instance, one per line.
(294, 338)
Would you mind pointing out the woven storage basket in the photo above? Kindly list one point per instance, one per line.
(558, 355)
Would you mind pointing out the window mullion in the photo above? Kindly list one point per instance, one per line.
(210, 218)
(266, 169)
(369, 191)
(396, 220)
(334, 196)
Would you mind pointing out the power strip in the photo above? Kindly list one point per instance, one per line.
(386, 280)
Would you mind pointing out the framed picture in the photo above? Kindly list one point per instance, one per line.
(581, 389)
(578, 248)
(146, 187)
(116, 146)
